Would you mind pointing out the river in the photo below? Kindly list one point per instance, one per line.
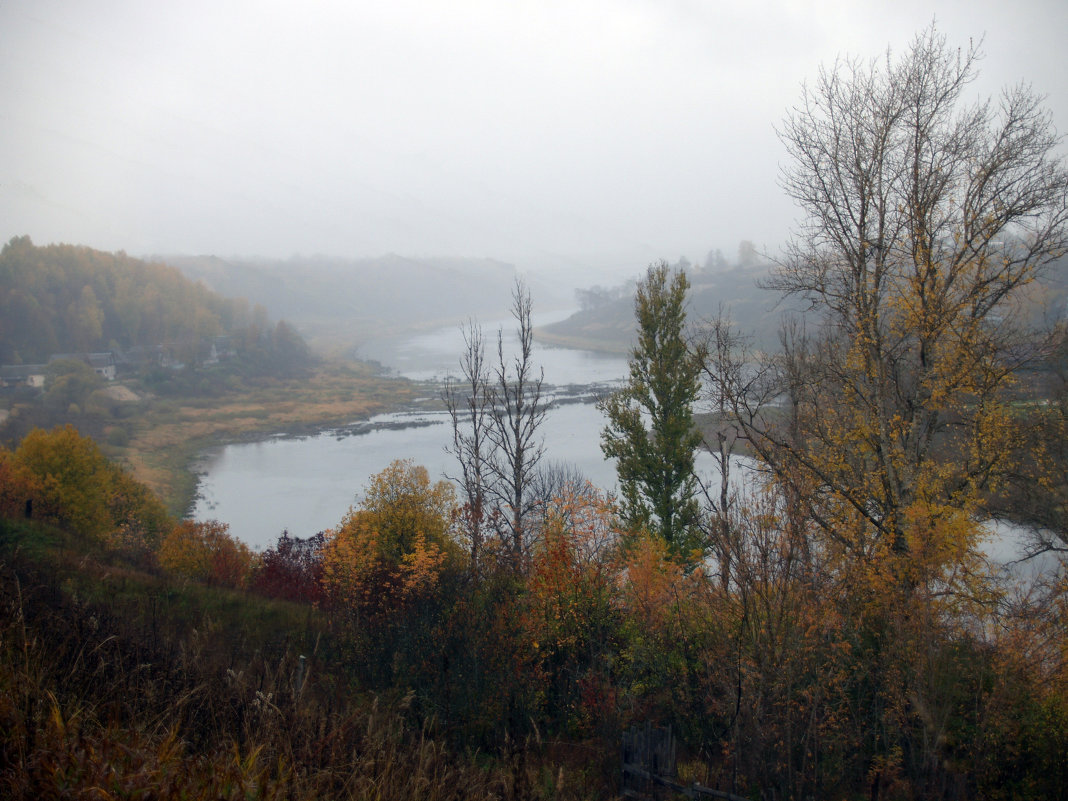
(307, 484)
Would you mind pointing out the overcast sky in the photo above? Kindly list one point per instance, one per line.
(546, 132)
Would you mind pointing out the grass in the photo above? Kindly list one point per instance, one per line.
(609, 342)
(119, 682)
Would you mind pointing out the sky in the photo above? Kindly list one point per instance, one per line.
(585, 135)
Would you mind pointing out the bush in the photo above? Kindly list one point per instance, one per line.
(63, 477)
(206, 551)
(292, 570)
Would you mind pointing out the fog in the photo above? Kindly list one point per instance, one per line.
(585, 136)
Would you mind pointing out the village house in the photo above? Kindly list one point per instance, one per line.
(23, 375)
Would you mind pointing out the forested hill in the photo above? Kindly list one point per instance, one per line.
(338, 303)
(67, 298)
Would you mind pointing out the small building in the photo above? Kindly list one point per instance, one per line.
(213, 350)
(103, 364)
(23, 375)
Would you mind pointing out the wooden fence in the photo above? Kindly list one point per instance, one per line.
(649, 767)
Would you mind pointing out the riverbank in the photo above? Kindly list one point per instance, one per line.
(169, 433)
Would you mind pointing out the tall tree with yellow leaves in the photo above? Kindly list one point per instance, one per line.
(887, 417)
(924, 218)
(396, 543)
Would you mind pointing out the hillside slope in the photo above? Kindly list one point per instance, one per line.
(609, 326)
(68, 298)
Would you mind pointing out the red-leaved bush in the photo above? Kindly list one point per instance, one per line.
(292, 569)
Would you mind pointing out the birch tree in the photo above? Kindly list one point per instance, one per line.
(497, 409)
(469, 401)
(518, 411)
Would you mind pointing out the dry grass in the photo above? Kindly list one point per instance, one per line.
(602, 340)
(129, 697)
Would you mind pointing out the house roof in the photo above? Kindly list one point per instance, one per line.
(13, 372)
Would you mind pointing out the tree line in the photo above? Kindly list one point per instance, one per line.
(66, 299)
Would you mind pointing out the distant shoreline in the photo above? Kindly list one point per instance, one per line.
(608, 347)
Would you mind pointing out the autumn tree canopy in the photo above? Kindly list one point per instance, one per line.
(70, 299)
(63, 298)
(924, 217)
(60, 475)
(397, 541)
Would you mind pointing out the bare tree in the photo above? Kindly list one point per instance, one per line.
(557, 484)
(469, 401)
(518, 411)
(722, 368)
(556, 479)
(496, 412)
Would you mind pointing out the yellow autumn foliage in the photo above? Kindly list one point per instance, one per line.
(61, 476)
(206, 551)
(398, 541)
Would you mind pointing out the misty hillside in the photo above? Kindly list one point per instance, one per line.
(340, 303)
(68, 298)
(606, 321)
(607, 324)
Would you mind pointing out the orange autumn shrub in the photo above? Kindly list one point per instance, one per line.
(206, 551)
(570, 619)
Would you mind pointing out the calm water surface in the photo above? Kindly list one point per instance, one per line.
(304, 485)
